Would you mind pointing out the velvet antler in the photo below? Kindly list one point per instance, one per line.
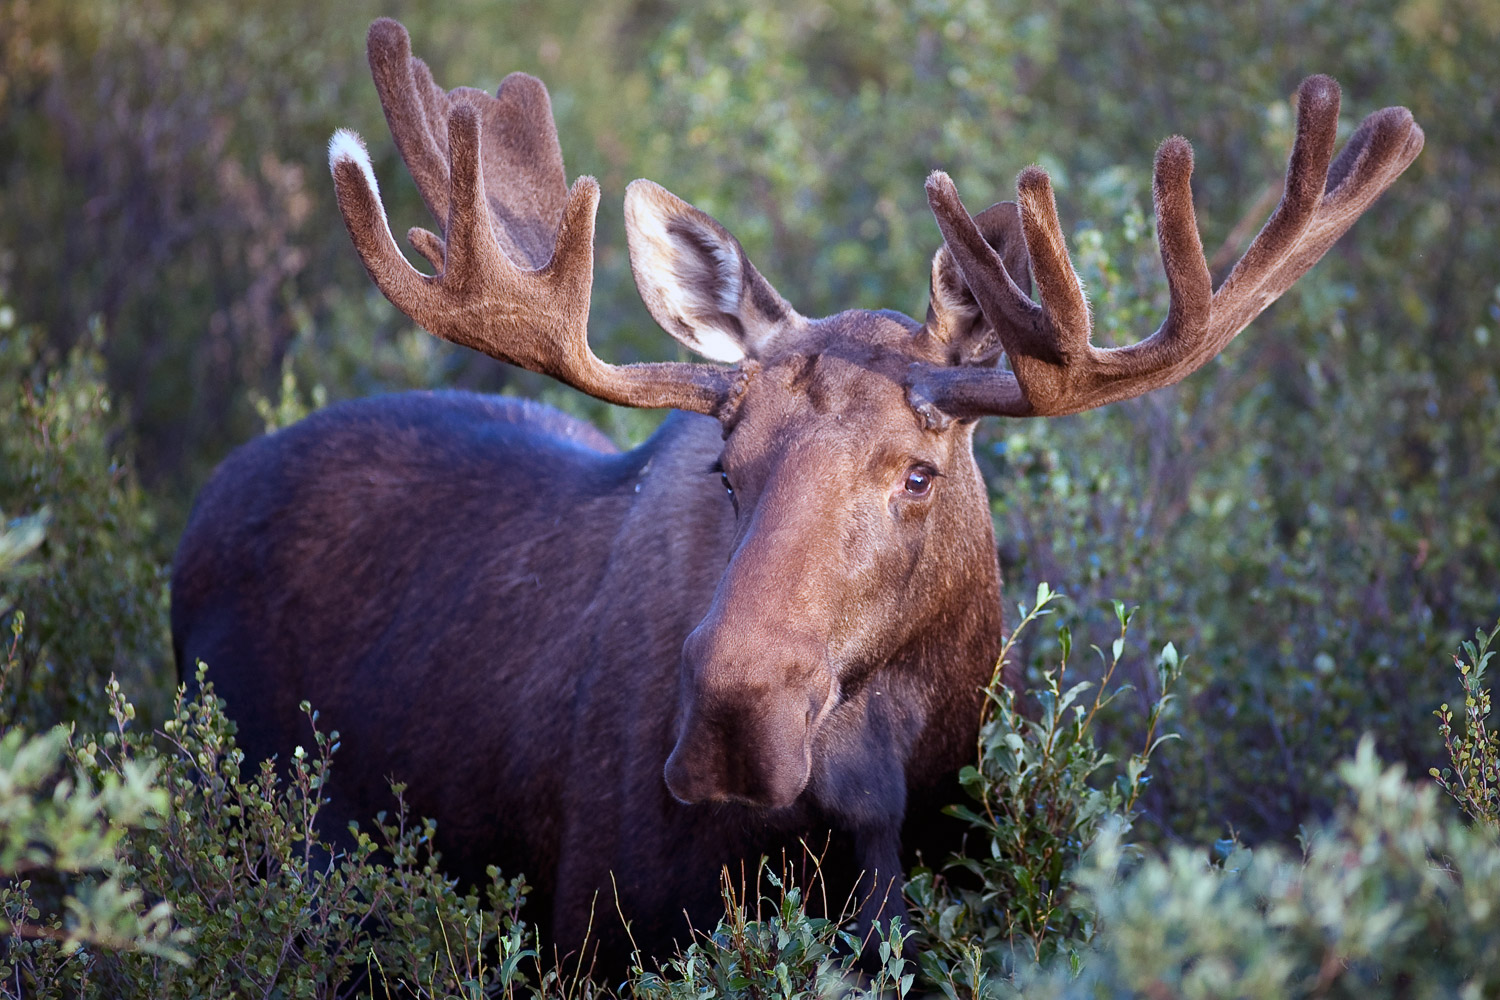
(515, 261)
(1055, 369)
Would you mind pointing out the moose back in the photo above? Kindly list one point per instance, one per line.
(768, 626)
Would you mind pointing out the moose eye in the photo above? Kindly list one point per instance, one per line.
(724, 478)
(919, 480)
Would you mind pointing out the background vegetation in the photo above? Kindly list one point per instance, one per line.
(1313, 520)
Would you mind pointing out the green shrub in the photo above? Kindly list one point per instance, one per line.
(768, 946)
(60, 838)
(1474, 780)
(60, 831)
(93, 590)
(1393, 897)
(1040, 795)
(261, 904)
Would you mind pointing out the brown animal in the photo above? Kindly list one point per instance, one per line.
(771, 622)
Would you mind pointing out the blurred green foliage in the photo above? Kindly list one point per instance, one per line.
(1314, 518)
(93, 590)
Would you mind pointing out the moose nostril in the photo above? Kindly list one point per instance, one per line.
(679, 781)
(691, 779)
(762, 763)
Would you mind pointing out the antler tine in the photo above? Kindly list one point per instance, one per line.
(515, 264)
(527, 188)
(1010, 310)
(1056, 369)
(416, 110)
(1306, 175)
(1048, 344)
(1385, 144)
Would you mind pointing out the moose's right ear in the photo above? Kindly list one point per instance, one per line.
(954, 318)
(696, 280)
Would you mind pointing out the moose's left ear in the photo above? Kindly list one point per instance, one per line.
(696, 280)
(953, 316)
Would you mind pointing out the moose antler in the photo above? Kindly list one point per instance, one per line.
(1054, 368)
(515, 263)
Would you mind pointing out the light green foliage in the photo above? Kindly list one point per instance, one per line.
(1393, 897)
(1038, 804)
(289, 405)
(60, 836)
(1474, 779)
(56, 822)
(17, 540)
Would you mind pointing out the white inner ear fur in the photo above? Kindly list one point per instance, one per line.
(657, 258)
(716, 345)
(729, 265)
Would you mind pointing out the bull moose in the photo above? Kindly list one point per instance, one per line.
(771, 623)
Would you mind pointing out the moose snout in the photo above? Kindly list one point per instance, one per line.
(746, 730)
(760, 762)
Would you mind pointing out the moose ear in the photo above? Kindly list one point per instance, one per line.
(696, 280)
(953, 315)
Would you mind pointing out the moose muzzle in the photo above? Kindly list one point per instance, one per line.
(746, 727)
